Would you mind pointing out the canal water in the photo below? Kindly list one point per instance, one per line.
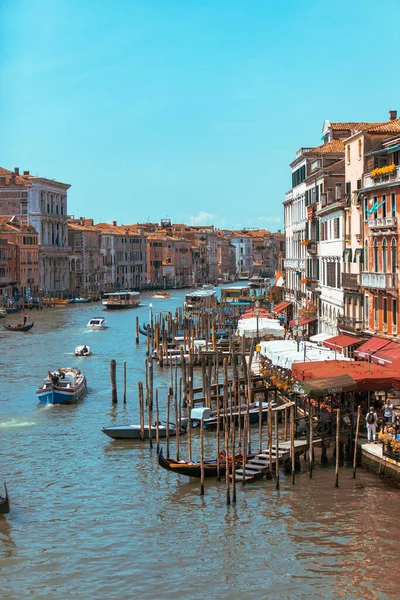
(95, 518)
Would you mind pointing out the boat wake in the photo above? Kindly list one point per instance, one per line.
(15, 423)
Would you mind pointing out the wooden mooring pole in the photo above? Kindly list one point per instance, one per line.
(124, 381)
(113, 375)
(201, 457)
(337, 447)
(292, 452)
(356, 442)
(137, 330)
(276, 451)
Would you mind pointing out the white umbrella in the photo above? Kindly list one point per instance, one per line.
(250, 327)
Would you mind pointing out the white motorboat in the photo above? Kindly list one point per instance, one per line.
(83, 350)
(121, 300)
(132, 432)
(96, 323)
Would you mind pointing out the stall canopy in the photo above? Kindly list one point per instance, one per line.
(302, 321)
(326, 386)
(281, 306)
(284, 353)
(369, 348)
(320, 337)
(369, 377)
(252, 326)
(387, 355)
(340, 342)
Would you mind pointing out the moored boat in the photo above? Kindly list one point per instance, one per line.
(65, 386)
(161, 295)
(195, 301)
(13, 309)
(79, 300)
(83, 350)
(96, 323)
(3, 313)
(133, 432)
(4, 502)
(254, 411)
(121, 300)
(193, 469)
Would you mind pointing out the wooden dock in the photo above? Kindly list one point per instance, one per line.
(259, 466)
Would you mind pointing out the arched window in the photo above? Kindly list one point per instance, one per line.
(366, 256)
(376, 256)
(394, 255)
(384, 255)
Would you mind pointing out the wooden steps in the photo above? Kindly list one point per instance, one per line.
(259, 466)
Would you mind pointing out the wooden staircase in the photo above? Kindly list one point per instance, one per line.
(258, 466)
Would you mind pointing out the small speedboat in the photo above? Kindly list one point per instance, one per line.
(64, 386)
(83, 350)
(132, 432)
(96, 323)
(4, 502)
(161, 295)
(3, 313)
(79, 300)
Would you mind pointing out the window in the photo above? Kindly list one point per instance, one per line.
(384, 206)
(394, 255)
(366, 310)
(336, 228)
(376, 256)
(375, 203)
(348, 153)
(385, 311)
(359, 184)
(394, 312)
(348, 188)
(384, 255)
(338, 191)
(393, 205)
(359, 149)
(376, 309)
(331, 274)
(365, 208)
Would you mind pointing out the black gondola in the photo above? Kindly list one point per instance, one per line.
(193, 469)
(19, 327)
(4, 503)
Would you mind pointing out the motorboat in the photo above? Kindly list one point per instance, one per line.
(79, 300)
(161, 295)
(207, 286)
(253, 410)
(83, 350)
(65, 386)
(133, 432)
(198, 300)
(96, 323)
(3, 313)
(121, 300)
(4, 502)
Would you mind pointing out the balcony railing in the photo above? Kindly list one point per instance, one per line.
(382, 179)
(350, 324)
(350, 281)
(380, 281)
(312, 248)
(6, 280)
(382, 222)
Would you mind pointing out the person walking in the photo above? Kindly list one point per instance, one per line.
(371, 421)
(387, 411)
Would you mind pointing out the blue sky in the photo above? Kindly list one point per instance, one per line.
(191, 109)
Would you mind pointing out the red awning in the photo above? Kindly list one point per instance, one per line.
(387, 355)
(339, 342)
(302, 321)
(369, 377)
(281, 306)
(371, 347)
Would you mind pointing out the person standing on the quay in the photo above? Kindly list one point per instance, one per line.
(371, 420)
(388, 411)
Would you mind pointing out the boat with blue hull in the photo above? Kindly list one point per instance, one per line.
(64, 386)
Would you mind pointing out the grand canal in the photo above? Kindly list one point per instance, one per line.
(93, 518)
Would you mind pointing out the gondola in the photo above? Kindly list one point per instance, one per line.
(19, 327)
(193, 469)
(4, 502)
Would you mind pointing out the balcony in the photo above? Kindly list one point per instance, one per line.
(383, 222)
(5, 280)
(382, 180)
(379, 281)
(350, 324)
(312, 248)
(313, 285)
(294, 263)
(350, 281)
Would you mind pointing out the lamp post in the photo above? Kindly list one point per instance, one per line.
(257, 313)
(297, 331)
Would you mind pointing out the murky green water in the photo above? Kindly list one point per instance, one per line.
(93, 518)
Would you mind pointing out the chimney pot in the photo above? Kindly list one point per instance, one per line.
(16, 170)
(26, 173)
(392, 115)
(114, 223)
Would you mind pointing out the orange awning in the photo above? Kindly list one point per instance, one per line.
(281, 306)
(302, 321)
(339, 342)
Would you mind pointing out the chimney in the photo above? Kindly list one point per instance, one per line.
(16, 170)
(26, 173)
(392, 115)
(114, 223)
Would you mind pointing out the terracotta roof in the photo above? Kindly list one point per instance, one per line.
(389, 127)
(336, 146)
(18, 179)
(354, 126)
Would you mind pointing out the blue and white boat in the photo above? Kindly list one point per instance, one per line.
(64, 386)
